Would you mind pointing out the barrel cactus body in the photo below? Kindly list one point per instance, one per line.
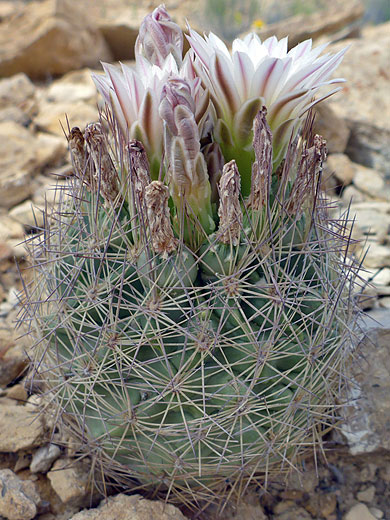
(193, 345)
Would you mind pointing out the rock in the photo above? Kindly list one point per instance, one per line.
(70, 480)
(20, 428)
(322, 22)
(365, 66)
(9, 228)
(17, 163)
(376, 512)
(371, 182)
(17, 392)
(341, 166)
(135, 507)
(28, 214)
(351, 194)
(18, 498)
(332, 128)
(51, 149)
(321, 505)
(366, 495)
(13, 359)
(372, 218)
(359, 512)
(52, 115)
(288, 509)
(16, 115)
(17, 91)
(367, 418)
(50, 191)
(44, 457)
(48, 38)
(73, 87)
(121, 32)
(377, 255)
(384, 302)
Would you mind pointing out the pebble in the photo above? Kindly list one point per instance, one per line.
(18, 498)
(20, 428)
(366, 495)
(70, 480)
(359, 512)
(135, 507)
(44, 457)
(376, 512)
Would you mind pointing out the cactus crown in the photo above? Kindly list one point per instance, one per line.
(192, 335)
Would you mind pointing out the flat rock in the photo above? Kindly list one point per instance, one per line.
(371, 182)
(332, 128)
(135, 507)
(50, 38)
(44, 457)
(28, 214)
(18, 162)
(52, 117)
(70, 480)
(13, 359)
(51, 150)
(18, 90)
(18, 498)
(341, 166)
(20, 428)
(364, 102)
(73, 87)
(359, 512)
(367, 419)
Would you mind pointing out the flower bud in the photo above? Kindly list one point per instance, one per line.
(158, 37)
(229, 211)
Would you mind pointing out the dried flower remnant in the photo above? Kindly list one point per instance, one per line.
(106, 176)
(229, 211)
(139, 169)
(159, 222)
(262, 166)
(306, 182)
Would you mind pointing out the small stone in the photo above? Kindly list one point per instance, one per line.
(366, 495)
(74, 86)
(28, 214)
(20, 428)
(51, 149)
(9, 228)
(333, 128)
(52, 115)
(377, 513)
(16, 90)
(341, 166)
(70, 480)
(321, 505)
(18, 498)
(351, 194)
(13, 359)
(44, 457)
(135, 507)
(371, 182)
(17, 392)
(377, 256)
(17, 163)
(359, 512)
(384, 302)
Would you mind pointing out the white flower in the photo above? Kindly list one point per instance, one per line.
(256, 74)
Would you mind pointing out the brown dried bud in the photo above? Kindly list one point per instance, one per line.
(159, 221)
(262, 167)
(77, 151)
(309, 169)
(139, 169)
(229, 211)
(105, 172)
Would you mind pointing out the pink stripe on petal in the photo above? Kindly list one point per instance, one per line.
(224, 83)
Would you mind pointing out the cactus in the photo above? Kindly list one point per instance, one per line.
(193, 338)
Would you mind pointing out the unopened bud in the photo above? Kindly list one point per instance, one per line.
(215, 162)
(159, 221)
(105, 173)
(229, 211)
(158, 37)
